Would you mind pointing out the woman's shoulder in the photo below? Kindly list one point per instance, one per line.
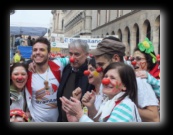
(126, 103)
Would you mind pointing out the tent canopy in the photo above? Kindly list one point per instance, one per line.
(24, 30)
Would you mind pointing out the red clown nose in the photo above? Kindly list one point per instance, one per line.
(72, 59)
(133, 62)
(105, 81)
(86, 72)
(99, 69)
(20, 78)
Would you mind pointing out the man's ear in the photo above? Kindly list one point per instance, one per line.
(116, 58)
(49, 55)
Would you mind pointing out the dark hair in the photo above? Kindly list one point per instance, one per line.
(148, 58)
(128, 78)
(43, 40)
(29, 37)
(17, 65)
(92, 62)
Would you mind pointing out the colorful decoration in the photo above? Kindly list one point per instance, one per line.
(86, 72)
(133, 62)
(95, 73)
(20, 78)
(72, 59)
(19, 113)
(105, 81)
(147, 47)
(99, 69)
(118, 85)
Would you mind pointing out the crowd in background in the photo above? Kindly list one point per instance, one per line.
(101, 85)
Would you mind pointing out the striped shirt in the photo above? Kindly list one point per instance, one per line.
(125, 111)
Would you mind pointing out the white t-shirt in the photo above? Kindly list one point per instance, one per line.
(99, 98)
(146, 95)
(43, 107)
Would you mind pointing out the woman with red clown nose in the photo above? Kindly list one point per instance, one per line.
(18, 79)
(148, 64)
(120, 105)
(94, 78)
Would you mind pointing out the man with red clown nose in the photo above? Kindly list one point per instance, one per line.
(73, 76)
(111, 49)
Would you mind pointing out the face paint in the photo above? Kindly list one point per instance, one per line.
(143, 65)
(137, 53)
(20, 78)
(95, 74)
(17, 71)
(118, 85)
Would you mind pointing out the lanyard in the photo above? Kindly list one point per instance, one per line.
(46, 83)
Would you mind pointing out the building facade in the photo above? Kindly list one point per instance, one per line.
(130, 26)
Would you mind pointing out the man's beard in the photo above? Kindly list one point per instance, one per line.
(42, 63)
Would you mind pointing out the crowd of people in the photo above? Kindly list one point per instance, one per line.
(100, 85)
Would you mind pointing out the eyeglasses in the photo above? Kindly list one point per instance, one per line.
(138, 58)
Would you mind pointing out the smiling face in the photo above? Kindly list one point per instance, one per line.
(141, 62)
(115, 85)
(94, 77)
(79, 56)
(19, 77)
(40, 53)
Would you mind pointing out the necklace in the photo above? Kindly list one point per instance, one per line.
(46, 83)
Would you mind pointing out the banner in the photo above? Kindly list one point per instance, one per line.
(92, 42)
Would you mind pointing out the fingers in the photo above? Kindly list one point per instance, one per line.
(32, 67)
(141, 74)
(93, 92)
(77, 91)
(74, 99)
(86, 97)
(64, 103)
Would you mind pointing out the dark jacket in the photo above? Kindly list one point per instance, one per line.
(80, 81)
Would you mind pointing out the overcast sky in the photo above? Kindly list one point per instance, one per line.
(40, 18)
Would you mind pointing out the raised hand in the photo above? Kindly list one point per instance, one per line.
(77, 93)
(88, 99)
(32, 67)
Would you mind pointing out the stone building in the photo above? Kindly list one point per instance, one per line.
(131, 26)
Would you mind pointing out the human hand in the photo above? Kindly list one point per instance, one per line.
(141, 74)
(71, 118)
(88, 99)
(32, 67)
(73, 106)
(77, 93)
